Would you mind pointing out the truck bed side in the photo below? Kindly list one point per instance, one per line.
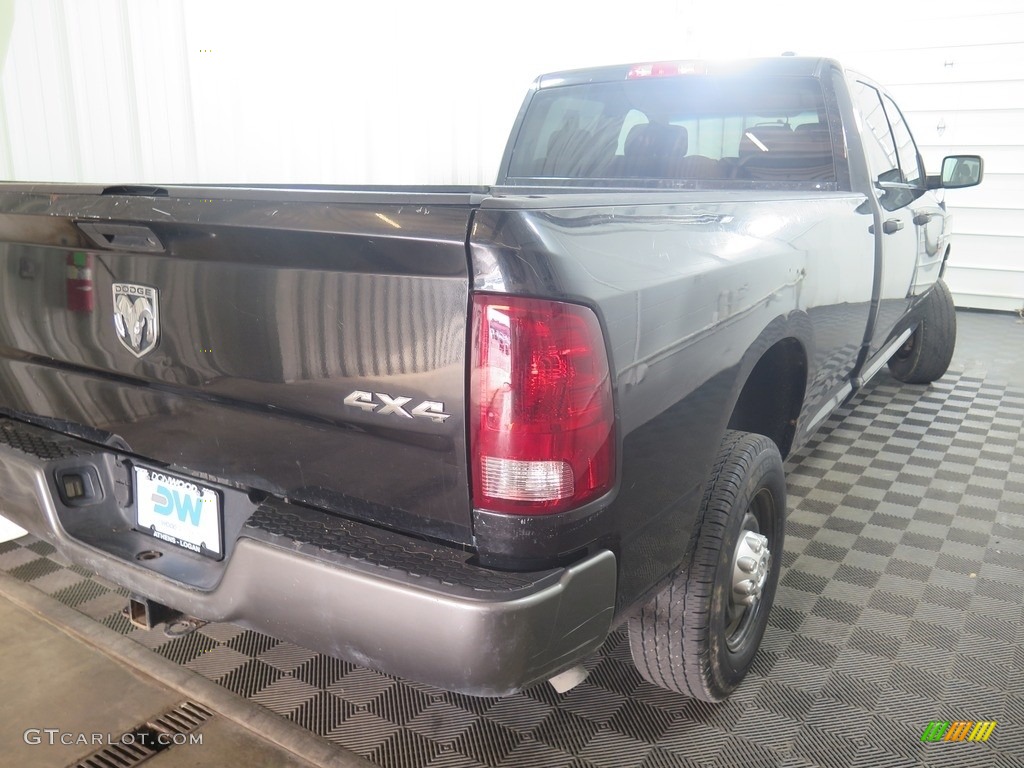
(693, 289)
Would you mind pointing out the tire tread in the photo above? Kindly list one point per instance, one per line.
(934, 340)
(684, 605)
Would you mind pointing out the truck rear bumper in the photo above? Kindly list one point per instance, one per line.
(373, 597)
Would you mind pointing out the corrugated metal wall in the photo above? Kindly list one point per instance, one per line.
(424, 93)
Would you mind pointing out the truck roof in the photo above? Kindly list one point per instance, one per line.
(775, 65)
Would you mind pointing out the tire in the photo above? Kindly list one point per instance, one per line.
(926, 355)
(696, 636)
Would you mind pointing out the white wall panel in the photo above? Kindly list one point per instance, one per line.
(161, 89)
(975, 282)
(979, 128)
(908, 28)
(949, 64)
(1007, 222)
(101, 112)
(998, 254)
(1000, 190)
(959, 79)
(314, 91)
(966, 95)
(37, 91)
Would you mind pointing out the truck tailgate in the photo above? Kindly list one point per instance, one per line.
(305, 344)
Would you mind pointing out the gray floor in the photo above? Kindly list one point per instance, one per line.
(990, 346)
(59, 692)
(901, 602)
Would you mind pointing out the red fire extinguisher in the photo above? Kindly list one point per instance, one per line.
(79, 282)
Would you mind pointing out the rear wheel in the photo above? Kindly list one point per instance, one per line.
(699, 635)
(927, 354)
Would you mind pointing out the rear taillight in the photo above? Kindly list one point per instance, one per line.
(541, 419)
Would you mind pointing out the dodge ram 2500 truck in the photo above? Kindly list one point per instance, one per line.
(459, 434)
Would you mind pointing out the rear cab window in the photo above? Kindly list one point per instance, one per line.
(694, 130)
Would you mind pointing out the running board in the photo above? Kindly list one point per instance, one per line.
(828, 408)
(850, 387)
(881, 359)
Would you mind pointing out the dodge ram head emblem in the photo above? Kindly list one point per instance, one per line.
(136, 317)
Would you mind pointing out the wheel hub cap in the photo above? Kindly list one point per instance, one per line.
(750, 568)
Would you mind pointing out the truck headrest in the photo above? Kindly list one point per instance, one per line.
(654, 150)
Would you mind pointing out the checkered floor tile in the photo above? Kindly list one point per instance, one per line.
(901, 602)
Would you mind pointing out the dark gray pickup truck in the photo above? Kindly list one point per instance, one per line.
(458, 434)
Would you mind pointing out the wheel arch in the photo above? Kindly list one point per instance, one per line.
(774, 382)
(945, 261)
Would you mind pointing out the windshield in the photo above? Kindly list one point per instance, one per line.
(691, 128)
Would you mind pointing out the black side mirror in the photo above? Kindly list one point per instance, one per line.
(959, 171)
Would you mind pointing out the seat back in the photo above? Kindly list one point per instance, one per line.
(566, 149)
(814, 148)
(654, 151)
(701, 168)
(777, 153)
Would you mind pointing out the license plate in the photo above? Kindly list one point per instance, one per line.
(178, 511)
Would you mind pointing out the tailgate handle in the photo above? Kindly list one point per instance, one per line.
(122, 237)
(135, 190)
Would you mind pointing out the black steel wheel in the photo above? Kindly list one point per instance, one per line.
(927, 353)
(699, 635)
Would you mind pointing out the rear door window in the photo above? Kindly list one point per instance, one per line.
(906, 149)
(879, 145)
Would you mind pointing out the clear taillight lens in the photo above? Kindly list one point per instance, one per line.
(540, 409)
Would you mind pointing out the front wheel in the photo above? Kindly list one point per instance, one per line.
(927, 354)
(699, 635)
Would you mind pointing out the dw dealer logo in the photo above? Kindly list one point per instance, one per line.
(959, 730)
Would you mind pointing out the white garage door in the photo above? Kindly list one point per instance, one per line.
(960, 81)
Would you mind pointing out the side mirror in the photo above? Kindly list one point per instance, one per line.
(960, 171)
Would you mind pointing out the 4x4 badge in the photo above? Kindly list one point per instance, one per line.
(137, 317)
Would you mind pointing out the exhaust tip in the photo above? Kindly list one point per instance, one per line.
(569, 679)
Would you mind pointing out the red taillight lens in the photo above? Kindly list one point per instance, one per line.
(541, 419)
